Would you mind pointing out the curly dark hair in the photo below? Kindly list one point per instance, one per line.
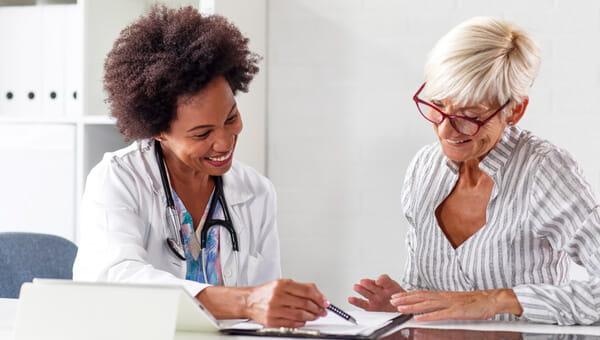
(166, 54)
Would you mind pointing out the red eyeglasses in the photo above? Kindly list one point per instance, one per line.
(465, 125)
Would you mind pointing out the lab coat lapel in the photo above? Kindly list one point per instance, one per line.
(236, 192)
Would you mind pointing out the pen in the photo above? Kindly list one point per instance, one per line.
(342, 314)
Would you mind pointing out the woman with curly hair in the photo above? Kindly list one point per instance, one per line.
(174, 207)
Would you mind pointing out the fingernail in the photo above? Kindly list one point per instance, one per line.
(327, 303)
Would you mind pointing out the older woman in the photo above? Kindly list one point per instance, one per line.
(495, 213)
(174, 207)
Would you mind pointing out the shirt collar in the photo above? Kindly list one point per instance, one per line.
(498, 156)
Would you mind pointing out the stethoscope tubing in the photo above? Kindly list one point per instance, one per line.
(226, 223)
(174, 223)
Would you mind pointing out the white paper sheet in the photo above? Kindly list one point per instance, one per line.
(334, 324)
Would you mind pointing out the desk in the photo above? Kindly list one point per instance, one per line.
(419, 330)
(485, 329)
(460, 334)
(8, 311)
(502, 326)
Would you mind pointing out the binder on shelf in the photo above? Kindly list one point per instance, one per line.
(25, 50)
(13, 95)
(4, 69)
(52, 94)
(73, 60)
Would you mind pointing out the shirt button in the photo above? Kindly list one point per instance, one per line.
(227, 272)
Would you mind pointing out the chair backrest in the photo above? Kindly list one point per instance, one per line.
(24, 256)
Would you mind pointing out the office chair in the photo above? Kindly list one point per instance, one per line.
(24, 256)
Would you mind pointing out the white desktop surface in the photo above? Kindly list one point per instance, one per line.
(8, 311)
(504, 326)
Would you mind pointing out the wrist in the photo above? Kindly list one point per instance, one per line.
(246, 302)
(225, 302)
(507, 302)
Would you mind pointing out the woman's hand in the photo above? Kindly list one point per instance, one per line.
(377, 293)
(285, 303)
(440, 305)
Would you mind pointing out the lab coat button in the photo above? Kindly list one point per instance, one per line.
(227, 272)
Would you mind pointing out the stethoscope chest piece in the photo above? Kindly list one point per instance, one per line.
(176, 248)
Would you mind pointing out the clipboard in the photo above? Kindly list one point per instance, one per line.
(384, 329)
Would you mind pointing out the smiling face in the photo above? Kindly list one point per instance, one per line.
(459, 147)
(202, 137)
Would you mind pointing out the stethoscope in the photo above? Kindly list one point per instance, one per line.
(173, 226)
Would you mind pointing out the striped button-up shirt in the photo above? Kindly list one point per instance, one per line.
(541, 213)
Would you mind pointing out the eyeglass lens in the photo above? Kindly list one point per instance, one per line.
(461, 125)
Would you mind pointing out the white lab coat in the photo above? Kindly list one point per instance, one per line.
(123, 217)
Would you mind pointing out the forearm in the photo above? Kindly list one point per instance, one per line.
(441, 305)
(226, 302)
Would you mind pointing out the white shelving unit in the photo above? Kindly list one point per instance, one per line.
(50, 148)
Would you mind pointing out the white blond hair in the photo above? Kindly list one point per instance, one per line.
(482, 60)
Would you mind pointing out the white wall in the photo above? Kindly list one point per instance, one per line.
(342, 127)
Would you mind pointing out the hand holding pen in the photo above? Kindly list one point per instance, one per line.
(284, 303)
(287, 303)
